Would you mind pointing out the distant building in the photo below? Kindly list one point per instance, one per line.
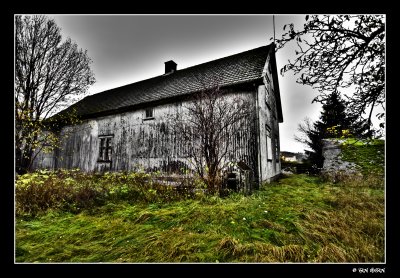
(126, 126)
(293, 157)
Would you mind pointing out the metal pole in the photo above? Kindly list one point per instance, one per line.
(273, 23)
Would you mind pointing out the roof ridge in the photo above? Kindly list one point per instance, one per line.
(164, 75)
(229, 56)
(233, 69)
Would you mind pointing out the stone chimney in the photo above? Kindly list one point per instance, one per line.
(170, 67)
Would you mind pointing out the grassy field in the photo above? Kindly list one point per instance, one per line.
(299, 218)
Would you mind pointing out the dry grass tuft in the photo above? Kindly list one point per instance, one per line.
(331, 253)
(261, 252)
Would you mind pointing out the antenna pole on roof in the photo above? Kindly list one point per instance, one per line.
(273, 24)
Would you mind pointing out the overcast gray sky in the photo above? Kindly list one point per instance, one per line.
(130, 48)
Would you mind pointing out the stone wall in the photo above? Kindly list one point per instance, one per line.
(334, 167)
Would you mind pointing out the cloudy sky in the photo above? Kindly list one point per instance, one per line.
(130, 48)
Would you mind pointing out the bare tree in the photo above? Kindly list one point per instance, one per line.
(49, 75)
(206, 126)
(341, 51)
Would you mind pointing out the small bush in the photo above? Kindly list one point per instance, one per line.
(42, 190)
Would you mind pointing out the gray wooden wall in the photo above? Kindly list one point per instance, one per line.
(269, 160)
(142, 144)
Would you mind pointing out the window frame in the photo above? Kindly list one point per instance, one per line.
(268, 132)
(148, 116)
(105, 148)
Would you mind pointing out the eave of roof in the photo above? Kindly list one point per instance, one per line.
(276, 83)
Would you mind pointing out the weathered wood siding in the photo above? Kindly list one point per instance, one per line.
(269, 161)
(138, 143)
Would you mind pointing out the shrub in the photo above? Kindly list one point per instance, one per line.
(42, 190)
(73, 190)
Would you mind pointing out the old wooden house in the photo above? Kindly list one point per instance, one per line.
(125, 128)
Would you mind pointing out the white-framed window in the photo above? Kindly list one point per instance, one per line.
(105, 148)
(269, 142)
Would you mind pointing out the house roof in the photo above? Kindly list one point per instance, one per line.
(235, 69)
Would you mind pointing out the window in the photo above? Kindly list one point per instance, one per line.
(149, 114)
(105, 148)
(269, 143)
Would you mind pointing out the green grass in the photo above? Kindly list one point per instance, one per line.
(369, 155)
(297, 219)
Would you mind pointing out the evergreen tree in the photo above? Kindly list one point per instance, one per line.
(334, 122)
